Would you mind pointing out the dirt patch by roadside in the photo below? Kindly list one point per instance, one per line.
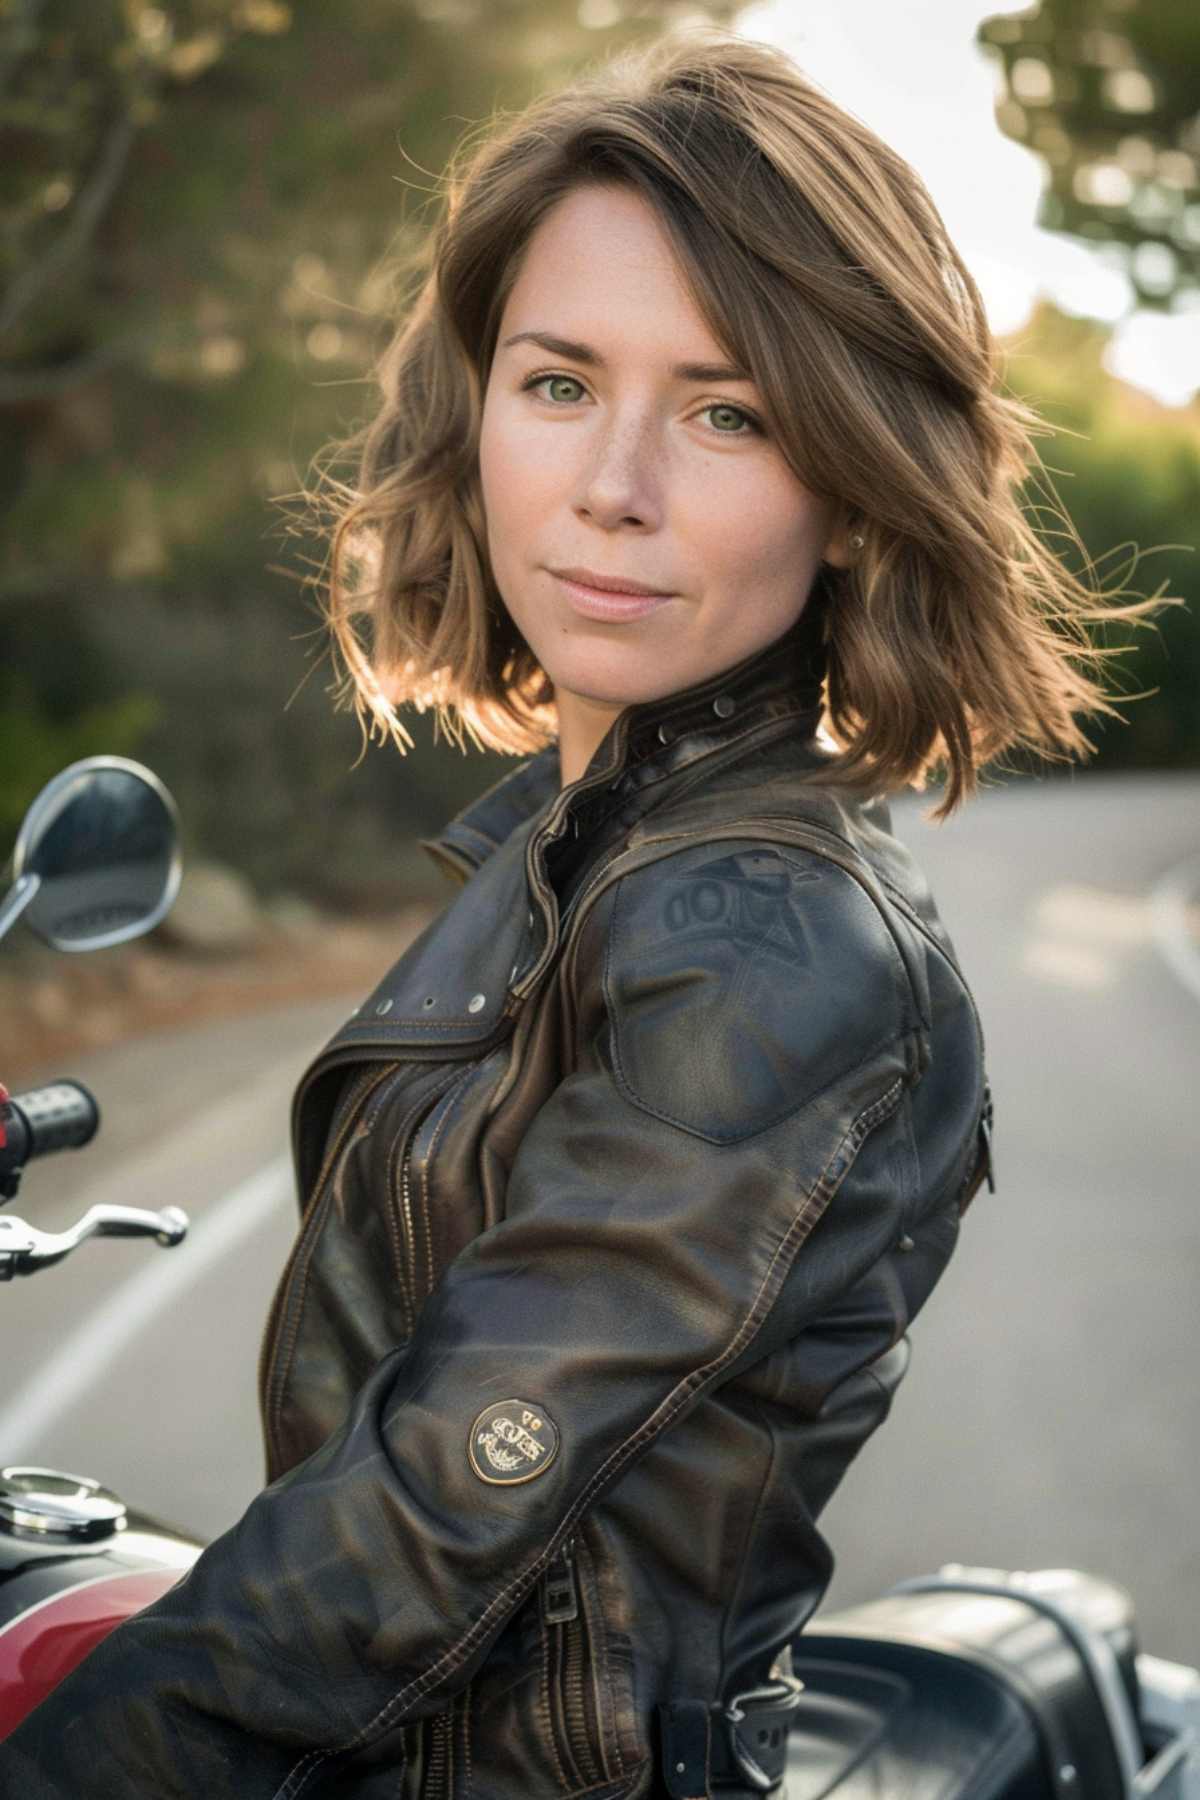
(54, 1005)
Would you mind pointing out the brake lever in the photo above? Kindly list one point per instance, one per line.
(24, 1250)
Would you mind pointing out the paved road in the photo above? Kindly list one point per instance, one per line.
(1050, 1415)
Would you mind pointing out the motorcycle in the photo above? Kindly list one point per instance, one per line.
(969, 1684)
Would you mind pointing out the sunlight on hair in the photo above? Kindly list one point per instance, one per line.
(958, 638)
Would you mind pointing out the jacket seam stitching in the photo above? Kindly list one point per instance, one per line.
(449, 1102)
(915, 1019)
(548, 1711)
(281, 1364)
(302, 1268)
(814, 1204)
(466, 1719)
(597, 1636)
(751, 1529)
(889, 1036)
(754, 834)
(455, 1022)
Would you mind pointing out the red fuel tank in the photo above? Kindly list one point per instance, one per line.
(74, 1562)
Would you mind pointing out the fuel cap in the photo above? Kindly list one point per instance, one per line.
(57, 1505)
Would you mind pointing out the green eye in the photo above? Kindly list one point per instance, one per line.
(537, 381)
(737, 414)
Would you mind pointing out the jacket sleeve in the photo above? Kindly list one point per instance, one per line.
(744, 1022)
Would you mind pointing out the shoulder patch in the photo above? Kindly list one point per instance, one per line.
(741, 980)
(512, 1441)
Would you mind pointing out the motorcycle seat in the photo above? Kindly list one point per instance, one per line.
(972, 1685)
(943, 1731)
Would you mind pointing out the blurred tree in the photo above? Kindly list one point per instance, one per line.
(1107, 92)
(199, 202)
(1127, 471)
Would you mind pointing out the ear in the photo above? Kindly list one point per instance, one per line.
(838, 550)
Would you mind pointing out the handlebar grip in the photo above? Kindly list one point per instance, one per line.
(63, 1116)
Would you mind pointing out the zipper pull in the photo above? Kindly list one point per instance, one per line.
(985, 1131)
(560, 1600)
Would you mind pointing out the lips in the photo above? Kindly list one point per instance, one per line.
(602, 604)
(612, 584)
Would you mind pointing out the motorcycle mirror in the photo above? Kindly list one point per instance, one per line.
(97, 857)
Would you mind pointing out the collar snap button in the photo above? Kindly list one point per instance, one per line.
(665, 734)
(723, 705)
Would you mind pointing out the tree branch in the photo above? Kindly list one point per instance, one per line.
(85, 216)
(43, 383)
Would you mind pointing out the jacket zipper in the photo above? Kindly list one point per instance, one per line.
(406, 1271)
(556, 824)
(574, 1715)
(411, 1287)
(438, 1780)
(359, 1091)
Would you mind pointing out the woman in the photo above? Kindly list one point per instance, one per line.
(623, 1188)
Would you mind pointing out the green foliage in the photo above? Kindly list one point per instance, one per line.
(1105, 92)
(1127, 472)
(199, 202)
(39, 745)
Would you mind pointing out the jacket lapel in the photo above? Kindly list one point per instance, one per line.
(649, 738)
(472, 835)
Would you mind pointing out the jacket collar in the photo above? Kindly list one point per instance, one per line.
(650, 739)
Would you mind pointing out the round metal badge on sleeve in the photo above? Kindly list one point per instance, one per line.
(512, 1441)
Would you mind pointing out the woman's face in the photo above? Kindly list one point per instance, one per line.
(599, 453)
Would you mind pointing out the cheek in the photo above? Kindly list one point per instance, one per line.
(491, 466)
(514, 474)
(764, 525)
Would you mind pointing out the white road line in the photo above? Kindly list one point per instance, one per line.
(1170, 899)
(81, 1361)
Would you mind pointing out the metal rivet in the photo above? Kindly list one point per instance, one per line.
(906, 1243)
(680, 1768)
(429, 1000)
(476, 1002)
(385, 1006)
(723, 705)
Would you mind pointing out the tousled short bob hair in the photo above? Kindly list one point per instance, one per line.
(821, 265)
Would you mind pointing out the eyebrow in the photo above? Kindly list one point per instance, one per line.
(583, 353)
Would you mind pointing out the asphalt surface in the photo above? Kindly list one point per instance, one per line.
(1050, 1415)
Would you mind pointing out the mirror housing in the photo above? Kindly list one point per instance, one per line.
(97, 858)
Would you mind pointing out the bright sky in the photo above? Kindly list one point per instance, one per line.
(910, 69)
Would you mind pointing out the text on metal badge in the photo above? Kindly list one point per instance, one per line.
(511, 1441)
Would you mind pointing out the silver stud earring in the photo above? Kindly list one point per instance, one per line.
(857, 541)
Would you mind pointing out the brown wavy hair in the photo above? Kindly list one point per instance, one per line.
(820, 263)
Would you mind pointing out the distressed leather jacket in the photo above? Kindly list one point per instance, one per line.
(619, 1195)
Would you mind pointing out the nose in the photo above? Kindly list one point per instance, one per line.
(621, 482)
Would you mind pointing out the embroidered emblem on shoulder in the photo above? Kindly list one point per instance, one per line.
(742, 979)
(747, 898)
(512, 1441)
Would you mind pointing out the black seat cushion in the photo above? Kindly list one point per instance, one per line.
(887, 1720)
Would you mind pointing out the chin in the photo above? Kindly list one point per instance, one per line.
(615, 676)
